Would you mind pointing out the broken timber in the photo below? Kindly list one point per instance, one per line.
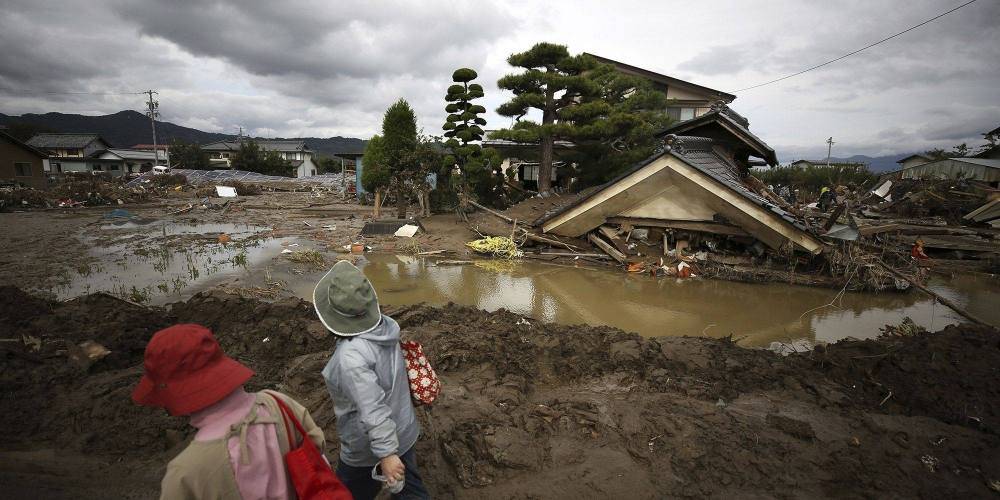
(607, 248)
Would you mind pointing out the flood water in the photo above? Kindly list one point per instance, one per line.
(157, 264)
(757, 314)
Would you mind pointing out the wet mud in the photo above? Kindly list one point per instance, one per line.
(531, 409)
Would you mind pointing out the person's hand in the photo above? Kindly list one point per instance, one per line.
(392, 469)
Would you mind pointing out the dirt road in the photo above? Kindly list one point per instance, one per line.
(531, 410)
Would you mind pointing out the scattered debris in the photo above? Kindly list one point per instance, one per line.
(225, 191)
(406, 231)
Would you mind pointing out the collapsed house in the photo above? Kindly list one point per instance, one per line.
(695, 187)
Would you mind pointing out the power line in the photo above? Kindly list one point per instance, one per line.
(845, 56)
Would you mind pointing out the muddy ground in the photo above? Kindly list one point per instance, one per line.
(531, 410)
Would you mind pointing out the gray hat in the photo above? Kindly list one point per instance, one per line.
(345, 301)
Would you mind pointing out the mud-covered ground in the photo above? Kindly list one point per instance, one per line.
(530, 410)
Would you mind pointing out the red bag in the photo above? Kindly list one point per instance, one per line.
(424, 383)
(310, 473)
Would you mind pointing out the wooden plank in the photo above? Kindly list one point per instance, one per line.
(615, 240)
(701, 226)
(607, 248)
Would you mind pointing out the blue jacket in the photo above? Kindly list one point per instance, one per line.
(366, 377)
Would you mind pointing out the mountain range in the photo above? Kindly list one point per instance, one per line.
(127, 128)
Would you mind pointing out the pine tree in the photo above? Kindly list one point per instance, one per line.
(463, 130)
(554, 83)
(608, 115)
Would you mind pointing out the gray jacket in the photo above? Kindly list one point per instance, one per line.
(366, 377)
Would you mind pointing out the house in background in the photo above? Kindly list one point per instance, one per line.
(117, 161)
(21, 163)
(295, 152)
(914, 160)
(68, 152)
(687, 100)
(975, 169)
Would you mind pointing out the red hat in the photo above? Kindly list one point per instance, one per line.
(186, 371)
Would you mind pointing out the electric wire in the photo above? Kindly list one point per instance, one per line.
(845, 56)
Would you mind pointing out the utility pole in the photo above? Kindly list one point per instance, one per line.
(152, 113)
(829, 149)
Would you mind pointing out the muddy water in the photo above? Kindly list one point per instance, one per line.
(758, 314)
(154, 262)
(158, 263)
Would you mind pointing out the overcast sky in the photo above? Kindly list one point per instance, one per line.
(325, 68)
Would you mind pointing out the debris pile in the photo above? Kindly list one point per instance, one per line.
(79, 190)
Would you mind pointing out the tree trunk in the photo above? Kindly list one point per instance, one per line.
(545, 162)
(377, 213)
(401, 204)
(545, 166)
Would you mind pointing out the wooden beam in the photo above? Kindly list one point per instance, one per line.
(615, 240)
(607, 248)
(491, 211)
(701, 226)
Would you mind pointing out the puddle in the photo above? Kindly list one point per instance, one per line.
(156, 262)
(756, 313)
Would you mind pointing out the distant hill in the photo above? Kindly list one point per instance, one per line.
(128, 128)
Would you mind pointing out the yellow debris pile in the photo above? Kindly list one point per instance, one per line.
(497, 246)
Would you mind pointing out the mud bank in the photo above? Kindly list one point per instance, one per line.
(531, 410)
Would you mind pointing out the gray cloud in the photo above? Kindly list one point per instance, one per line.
(320, 68)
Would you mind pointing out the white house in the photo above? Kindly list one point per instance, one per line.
(119, 161)
(296, 152)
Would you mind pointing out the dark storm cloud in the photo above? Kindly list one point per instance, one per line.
(323, 40)
(284, 68)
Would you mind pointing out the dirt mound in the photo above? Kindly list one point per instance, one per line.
(98, 400)
(950, 375)
(533, 410)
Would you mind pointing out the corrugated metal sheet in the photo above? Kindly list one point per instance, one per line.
(954, 168)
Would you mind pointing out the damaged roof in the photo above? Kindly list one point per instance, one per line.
(696, 152)
(732, 122)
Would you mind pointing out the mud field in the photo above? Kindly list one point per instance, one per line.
(530, 410)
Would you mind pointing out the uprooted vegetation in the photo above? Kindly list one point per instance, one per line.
(529, 409)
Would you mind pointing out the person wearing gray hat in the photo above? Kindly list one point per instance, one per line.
(366, 377)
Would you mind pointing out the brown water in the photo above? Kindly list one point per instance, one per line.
(756, 313)
(157, 264)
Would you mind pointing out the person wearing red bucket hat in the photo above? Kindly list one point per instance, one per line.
(239, 446)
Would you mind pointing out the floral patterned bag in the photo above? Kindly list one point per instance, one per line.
(424, 383)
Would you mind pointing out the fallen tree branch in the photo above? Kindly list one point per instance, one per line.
(935, 295)
(491, 212)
